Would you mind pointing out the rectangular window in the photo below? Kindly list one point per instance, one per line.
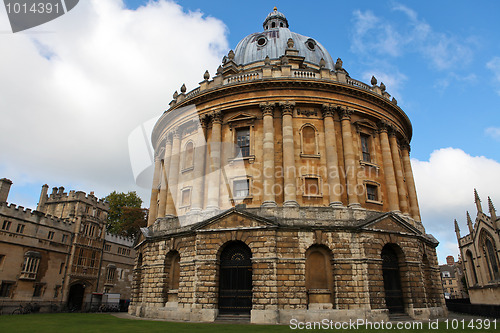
(186, 197)
(51, 235)
(6, 225)
(311, 186)
(30, 267)
(81, 259)
(241, 188)
(2, 258)
(38, 289)
(372, 192)
(243, 141)
(110, 274)
(365, 148)
(20, 228)
(107, 248)
(61, 267)
(6, 288)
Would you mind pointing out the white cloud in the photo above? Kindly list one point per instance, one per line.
(73, 89)
(376, 35)
(445, 186)
(493, 132)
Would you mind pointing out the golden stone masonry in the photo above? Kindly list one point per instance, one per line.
(283, 189)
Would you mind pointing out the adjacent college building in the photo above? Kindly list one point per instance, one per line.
(60, 254)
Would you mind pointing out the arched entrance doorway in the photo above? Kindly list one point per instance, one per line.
(392, 280)
(75, 298)
(235, 278)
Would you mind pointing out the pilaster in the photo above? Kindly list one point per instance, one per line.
(289, 182)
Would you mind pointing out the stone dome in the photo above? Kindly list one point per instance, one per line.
(273, 42)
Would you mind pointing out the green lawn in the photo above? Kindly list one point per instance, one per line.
(89, 323)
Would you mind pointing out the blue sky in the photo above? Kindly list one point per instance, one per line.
(73, 90)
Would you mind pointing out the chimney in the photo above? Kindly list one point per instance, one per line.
(4, 189)
(450, 260)
(61, 190)
(43, 198)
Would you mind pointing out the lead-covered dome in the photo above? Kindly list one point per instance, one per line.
(273, 42)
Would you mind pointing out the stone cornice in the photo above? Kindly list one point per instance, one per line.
(267, 84)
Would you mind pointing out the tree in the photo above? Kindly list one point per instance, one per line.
(125, 215)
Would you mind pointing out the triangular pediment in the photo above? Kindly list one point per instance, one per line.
(391, 223)
(233, 219)
(241, 117)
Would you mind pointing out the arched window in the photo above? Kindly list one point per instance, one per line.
(309, 144)
(472, 269)
(172, 276)
(175, 271)
(319, 276)
(492, 259)
(188, 155)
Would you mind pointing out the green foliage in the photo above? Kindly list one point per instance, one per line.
(125, 215)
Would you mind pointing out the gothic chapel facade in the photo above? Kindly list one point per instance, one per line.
(283, 189)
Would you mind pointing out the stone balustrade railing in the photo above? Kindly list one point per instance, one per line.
(294, 74)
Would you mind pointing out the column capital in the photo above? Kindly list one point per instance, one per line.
(383, 126)
(216, 116)
(204, 118)
(327, 110)
(267, 108)
(404, 144)
(175, 132)
(344, 112)
(287, 108)
(169, 138)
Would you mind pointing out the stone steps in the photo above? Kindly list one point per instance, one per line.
(399, 317)
(230, 318)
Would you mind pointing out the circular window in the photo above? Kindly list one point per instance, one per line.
(261, 40)
(311, 44)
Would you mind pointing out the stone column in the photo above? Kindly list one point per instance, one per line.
(398, 170)
(349, 161)
(215, 162)
(173, 173)
(412, 191)
(199, 168)
(332, 160)
(153, 205)
(269, 197)
(390, 177)
(289, 181)
(164, 177)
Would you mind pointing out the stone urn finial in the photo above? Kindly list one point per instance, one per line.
(183, 88)
(176, 94)
(206, 76)
(374, 80)
(267, 61)
(322, 63)
(382, 86)
(338, 64)
(230, 55)
(290, 43)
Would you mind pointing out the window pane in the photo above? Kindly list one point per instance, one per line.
(243, 141)
(365, 148)
(241, 188)
(371, 192)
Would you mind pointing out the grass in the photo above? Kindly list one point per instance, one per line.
(90, 323)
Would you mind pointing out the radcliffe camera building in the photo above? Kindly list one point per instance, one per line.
(283, 189)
